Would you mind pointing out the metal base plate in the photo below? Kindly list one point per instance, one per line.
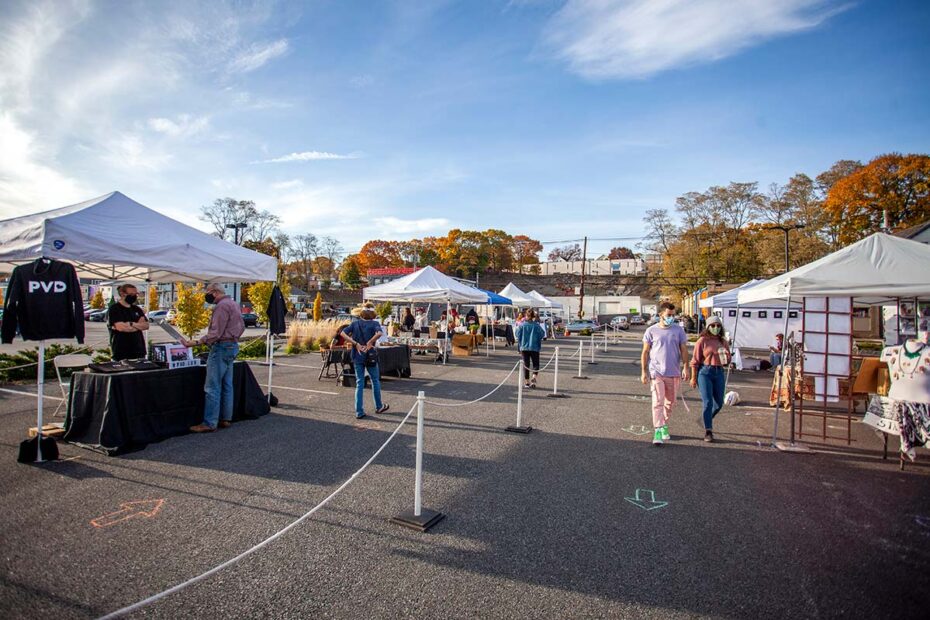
(519, 429)
(579, 377)
(785, 446)
(559, 395)
(422, 523)
(592, 363)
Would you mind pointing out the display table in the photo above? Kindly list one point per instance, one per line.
(466, 344)
(420, 344)
(119, 413)
(500, 331)
(392, 360)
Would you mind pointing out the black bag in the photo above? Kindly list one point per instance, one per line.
(28, 451)
(371, 357)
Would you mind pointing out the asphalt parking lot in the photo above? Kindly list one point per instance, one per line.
(550, 524)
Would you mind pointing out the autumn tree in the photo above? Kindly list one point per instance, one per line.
(620, 253)
(318, 307)
(895, 186)
(97, 302)
(378, 254)
(566, 253)
(525, 251)
(350, 272)
(192, 312)
(152, 297)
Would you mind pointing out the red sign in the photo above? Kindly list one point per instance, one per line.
(390, 271)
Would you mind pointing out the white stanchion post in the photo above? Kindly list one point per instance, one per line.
(606, 327)
(555, 378)
(593, 347)
(418, 479)
(519, 428)
(420, 519)
(580, 360)
(40, 381)
(269, 354)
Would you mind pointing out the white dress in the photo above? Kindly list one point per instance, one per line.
(909, 368)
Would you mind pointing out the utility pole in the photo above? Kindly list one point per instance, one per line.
(584, 264)
(236, 228)
(785, 228)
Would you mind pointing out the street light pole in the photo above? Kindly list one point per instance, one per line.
(785, 228)
(236, 228)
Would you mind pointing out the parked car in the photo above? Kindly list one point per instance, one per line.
(620, 322)
(156, 315)
(97, 316)
(637, 320)
(579, 325)
(546, 315)
(250, 319)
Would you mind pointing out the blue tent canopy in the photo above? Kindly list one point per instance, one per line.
(496, 300)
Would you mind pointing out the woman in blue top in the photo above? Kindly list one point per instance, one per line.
(530, 335)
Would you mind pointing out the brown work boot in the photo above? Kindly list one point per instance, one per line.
(225, 423)
(202, 428)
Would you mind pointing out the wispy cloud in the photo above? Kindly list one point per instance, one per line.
(288, 185)
(307, 156)
(400, 226)
(184, 126)
(258, 55)
(604, 39)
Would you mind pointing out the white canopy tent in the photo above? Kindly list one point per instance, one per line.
(518, 297)
(878, 269)
(427, 285)
(543, 302)
(875, 270)
(752, 325)
(113, 237)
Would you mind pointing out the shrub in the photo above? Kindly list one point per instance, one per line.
(585, 332)
(384, 310)
(254, 349)
(31, 357)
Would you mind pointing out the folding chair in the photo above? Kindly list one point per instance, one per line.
(74, 361)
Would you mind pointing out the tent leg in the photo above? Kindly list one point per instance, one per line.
(40, 381)
(445, 352)
(269, 345)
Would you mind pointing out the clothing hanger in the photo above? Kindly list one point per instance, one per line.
(40, 262)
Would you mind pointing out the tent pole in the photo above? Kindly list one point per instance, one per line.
(40, 380)
(726, 381)
(269, 345)
(781, 372)
(445, 351)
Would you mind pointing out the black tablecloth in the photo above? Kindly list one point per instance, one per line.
(391, 360)
(501, 331)
(118, 413)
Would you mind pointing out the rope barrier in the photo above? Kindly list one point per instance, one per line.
(478, 400)
(156, 597)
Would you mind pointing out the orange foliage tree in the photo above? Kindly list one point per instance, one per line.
(896, 185)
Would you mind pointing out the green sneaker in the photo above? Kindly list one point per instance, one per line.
(665, 435)
(657, 438)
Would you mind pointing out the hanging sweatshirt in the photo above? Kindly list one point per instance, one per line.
(44, 301)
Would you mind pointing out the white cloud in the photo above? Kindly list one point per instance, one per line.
(400, 226)
(130, 152)
(26, 183)
(185, 126)
(603, 39)
(288, 185)
(307, 156)
(257, 55)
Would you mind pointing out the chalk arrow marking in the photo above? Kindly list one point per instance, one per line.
(646, 499)
(642, 430)
(129, 510)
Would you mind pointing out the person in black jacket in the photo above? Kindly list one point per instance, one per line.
(127, 321)
(44, 301)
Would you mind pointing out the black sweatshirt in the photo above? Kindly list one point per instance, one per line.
(44, 301)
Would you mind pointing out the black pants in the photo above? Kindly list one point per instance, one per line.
(530, 358)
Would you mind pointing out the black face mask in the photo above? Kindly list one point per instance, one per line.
(210, 298)
(131, 299)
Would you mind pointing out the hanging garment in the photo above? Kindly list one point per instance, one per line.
(914, 422)
(277, 309)
(43, 301)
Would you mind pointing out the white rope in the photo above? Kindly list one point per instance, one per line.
(551, 359)
(90, 347)
(267, 541)
(478, 400)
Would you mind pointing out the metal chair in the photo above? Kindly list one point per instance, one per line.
(73, 360)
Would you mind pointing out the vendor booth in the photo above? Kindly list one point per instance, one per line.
(115, 238)
(877, 270)
(427, 286)
(752, 325)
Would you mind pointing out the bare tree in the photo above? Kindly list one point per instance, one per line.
(331, 249)
(661, 232)
(283, 241)
(305, 247)
(567, 253)
(262, 225)
(225, 213)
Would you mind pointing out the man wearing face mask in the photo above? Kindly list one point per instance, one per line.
(126, 322)
(664, 363)
(226, 326)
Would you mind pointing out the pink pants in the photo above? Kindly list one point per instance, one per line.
(664, 391)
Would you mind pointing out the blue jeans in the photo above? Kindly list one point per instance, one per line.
(711, 381)
(219, 387)
(375, 373)
(775, 359)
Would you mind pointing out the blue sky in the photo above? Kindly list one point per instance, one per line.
(365, 119)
